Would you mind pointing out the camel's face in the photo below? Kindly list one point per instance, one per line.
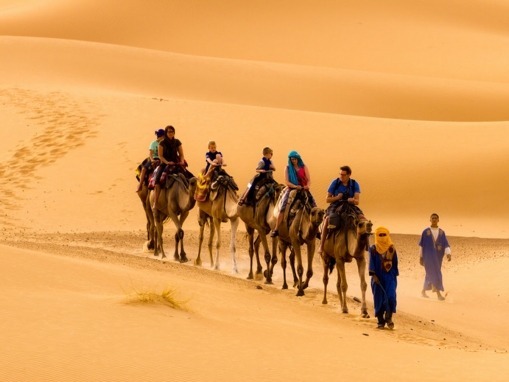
(317, 215)
(364, 227)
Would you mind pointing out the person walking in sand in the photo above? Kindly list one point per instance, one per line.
(434, 246)
(383, 269)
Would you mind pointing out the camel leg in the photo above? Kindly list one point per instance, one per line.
(151, 227)
(309, 272)
(234, 224)
(201, 223)
(212, 232)
(342, 285)
(270, 266)
(259, 269)
(175, 219)
(159, 227)
(273, 261)
(180, 232)
(300, 270)
(282, 249)
(361, 266)
(217, 225)
(250, 238)
(325, 277)
(265, 244)
(292, 265)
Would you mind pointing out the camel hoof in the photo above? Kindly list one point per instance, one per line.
(285, 286)
(324, 302)
(197, 263)
(365, 315)
(345, 311)
(250, 276)
(184, 259)
(300, 293)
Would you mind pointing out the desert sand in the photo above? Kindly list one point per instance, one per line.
(412, 96)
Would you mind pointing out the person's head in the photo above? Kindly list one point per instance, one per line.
(384, 246)
(170, 131)
(160, 133)
(434, 219)
(294, 158)
(344, 173)
(212, 146)
(267, 152)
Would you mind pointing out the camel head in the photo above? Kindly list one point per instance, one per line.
(317, 216)
(364, 227)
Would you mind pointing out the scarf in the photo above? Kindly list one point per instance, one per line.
(382, 243)
(292, 174)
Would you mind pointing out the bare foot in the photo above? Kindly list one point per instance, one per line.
(423, 294)
(440, 297)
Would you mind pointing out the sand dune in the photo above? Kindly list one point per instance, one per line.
(412, 96)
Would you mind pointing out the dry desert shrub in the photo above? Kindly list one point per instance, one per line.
(149, 297)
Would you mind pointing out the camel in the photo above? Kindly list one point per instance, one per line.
(349, 241)
(299, 226)
(260, 218)
(175, 202)
(144, 195)
(220, 206)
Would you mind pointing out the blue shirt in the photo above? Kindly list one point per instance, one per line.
(337, 187)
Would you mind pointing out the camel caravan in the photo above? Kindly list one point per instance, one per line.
(285, 214)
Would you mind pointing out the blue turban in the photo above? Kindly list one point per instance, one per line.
(292, 174)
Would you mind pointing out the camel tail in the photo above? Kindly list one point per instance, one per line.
(332, 264)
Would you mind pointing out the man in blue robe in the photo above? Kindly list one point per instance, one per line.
(383, 269)
(434, 246)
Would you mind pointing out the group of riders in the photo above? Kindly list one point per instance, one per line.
(166, 156)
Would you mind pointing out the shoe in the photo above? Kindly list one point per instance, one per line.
(274, 233)
(380, 326)
(390, 325)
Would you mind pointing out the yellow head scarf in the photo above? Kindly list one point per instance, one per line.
(382, 240)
